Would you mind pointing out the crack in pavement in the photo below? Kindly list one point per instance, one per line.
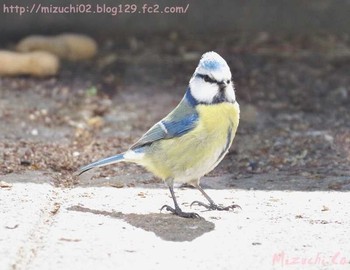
(37, 236)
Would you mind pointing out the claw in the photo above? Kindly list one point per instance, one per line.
(214, 206)
(179, 212)
(200, 204)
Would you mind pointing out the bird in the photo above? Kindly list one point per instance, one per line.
(193, 138)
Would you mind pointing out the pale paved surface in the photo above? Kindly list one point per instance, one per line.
(42, 227)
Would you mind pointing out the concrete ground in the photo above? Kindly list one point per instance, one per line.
(47, 227)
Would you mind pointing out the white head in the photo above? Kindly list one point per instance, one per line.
(211, 81)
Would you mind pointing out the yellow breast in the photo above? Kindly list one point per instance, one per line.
(199, 151)
(216, 117)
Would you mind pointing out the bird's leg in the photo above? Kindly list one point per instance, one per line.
(177, 210)
(212, 205)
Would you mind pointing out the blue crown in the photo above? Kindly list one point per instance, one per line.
(212, 61)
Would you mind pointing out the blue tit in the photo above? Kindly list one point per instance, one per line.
(192, 139)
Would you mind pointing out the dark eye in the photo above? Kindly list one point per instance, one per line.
(228, 81)
(208, 79)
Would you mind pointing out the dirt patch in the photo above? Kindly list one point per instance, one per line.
(294, 95)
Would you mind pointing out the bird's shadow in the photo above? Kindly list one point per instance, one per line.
(166, 226)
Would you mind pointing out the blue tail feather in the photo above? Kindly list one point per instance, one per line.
(101, 163)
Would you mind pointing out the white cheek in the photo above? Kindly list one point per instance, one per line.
(203, 91)
(230, 93)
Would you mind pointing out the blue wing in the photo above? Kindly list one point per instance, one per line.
(180, 121)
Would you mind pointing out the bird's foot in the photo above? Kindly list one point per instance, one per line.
(179, 212)
(213, 206)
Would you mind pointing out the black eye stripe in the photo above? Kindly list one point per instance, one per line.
(206, 78)
(210, 80)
